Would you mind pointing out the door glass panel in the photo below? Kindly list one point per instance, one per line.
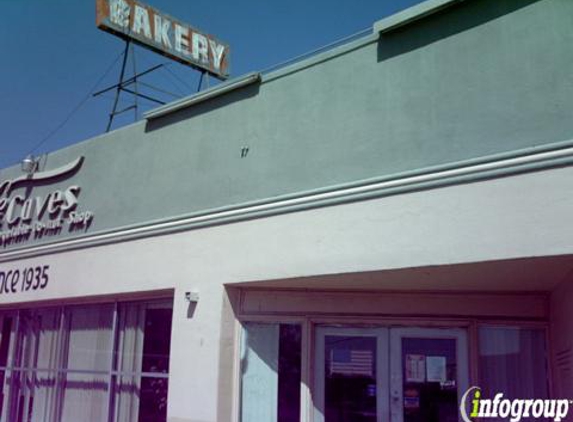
(429, 368)
(350, 379)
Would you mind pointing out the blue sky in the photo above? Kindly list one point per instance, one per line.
(53, 55)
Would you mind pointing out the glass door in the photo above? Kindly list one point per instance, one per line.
(351, 375)
(428, 374)
(389, 374)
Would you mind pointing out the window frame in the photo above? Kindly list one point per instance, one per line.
(15, 373)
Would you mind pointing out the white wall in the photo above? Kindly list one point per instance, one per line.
(521, 216)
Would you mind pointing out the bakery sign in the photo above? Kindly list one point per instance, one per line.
(25, 216)
(159, 32)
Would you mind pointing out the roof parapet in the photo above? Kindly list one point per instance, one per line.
(248, 79)
(382, 26)
(411, 14)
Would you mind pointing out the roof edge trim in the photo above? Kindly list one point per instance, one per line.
(411, 15)
(532, 159)
(220, 89)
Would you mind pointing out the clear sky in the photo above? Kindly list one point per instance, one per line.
(53, 55)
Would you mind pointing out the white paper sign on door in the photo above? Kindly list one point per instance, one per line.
(415, 368)
(436, 369)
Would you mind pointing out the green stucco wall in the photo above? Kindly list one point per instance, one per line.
(481, 77)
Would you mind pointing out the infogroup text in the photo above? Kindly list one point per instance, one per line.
(512, 409)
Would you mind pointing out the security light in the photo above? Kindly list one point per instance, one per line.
(192, 297)
(29, 164)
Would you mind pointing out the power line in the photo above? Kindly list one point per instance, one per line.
(174, 78)
(76, 108)
(185, 84)
(326, 47)
(159, 90)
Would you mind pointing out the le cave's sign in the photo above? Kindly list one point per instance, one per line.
(132, 20)
(26, 216)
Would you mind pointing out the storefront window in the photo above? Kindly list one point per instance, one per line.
(143, 361)
(270, 373)
(6, 324)
(512, 361)
(85, 363)
(85, 386)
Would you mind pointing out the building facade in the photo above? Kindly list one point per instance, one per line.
(360, 236)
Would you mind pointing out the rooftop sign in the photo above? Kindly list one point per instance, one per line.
(163, 34)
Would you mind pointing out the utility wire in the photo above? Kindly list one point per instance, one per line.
(159, 90)
(328, 46)
(185, 84)
(174, 78)
(166, 67)
(76, 108)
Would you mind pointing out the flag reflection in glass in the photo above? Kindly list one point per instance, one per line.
(351, 362)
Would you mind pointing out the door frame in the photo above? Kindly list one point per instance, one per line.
(382, 366)
(396, 373)
(388, 370)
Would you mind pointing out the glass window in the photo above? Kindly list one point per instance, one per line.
(6, 323)
(89, 332)
(38, 356)
(350, 378)
(270, 373)
(506, 356)
(106, 362)
(143, 362)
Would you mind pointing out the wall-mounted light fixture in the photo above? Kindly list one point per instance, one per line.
(30, 164)
(192, 297)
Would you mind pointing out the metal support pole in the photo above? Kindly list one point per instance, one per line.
(134, 84)
(128, 82)
(200, 81)
(118, 90)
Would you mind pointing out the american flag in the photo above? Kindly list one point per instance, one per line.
(351, 362)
